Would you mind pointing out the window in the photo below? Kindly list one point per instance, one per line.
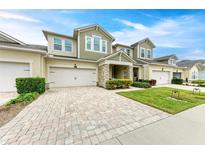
(68, 45)
(194, 75)
(57, 44)
(88, 43)
(96, 43)
(142, 52)
(104, 46)
(149, 53)
(127, 51)
(172, 61)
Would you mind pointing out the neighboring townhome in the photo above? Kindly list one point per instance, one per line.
(194, 69)
(87, 58)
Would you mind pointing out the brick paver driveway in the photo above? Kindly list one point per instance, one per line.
(78, 115)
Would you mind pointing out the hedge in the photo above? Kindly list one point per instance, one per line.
(118, 83)
(32, 84)
(151, 82)
(141, 84)
(24, 98)
(177, 81)
(198, 82)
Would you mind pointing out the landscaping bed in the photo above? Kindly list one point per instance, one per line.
(161, 98)
(28, 89)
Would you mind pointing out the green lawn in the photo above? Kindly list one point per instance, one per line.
(160, 98)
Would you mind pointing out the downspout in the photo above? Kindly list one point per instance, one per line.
(78, 44)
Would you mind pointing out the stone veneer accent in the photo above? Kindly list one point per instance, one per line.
(103, 74)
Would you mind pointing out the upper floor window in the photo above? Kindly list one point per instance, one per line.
(127, 51)
(104, 46)
(149, 53)
(95, 44)
(142, 52)
(68, 45)
(172, 61)
(88, 43)
(57, 44)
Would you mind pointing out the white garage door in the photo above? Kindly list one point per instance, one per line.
(161, 77)
(65, 77)
(9, 72)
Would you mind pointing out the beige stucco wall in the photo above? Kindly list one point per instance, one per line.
(68, 63)
(90, 54)
(188, 72)
(61, 53)
(36, 59)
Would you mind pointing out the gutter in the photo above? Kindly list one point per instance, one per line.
(73, 59)
(24, 49)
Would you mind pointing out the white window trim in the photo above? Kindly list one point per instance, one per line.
(71, 45)
(144, 53)
(63, 45)
(92, 44)
(150, 54)
(54, 43)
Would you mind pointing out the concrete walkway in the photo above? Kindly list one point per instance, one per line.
(187, 127)
(77, 115)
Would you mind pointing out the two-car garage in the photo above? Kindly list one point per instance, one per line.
(65, 76)
(162, 77)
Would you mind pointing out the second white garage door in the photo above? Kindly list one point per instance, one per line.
(9, 71)
(161, 77)
(65, 77)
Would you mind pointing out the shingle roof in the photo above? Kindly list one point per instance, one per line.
(166, 57)
(189, 63)
(28, 46)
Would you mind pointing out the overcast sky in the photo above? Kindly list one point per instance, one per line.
(180, 32)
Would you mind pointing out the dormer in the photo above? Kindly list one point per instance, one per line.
(125, 48)
(60, 44)
(170, 59)
(143, 49)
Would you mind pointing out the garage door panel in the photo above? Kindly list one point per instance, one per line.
(65, 77)
(161, 77)
(9, 72)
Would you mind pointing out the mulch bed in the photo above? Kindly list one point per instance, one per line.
(9, 112)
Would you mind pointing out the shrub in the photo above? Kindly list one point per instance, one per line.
(33, 84)
(24, 98)
(200, 82)
(118, 83)
(151, 82)
(177, 81)
(141, 84)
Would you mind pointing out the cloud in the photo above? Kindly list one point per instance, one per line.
(8, 15)
(180, 32)
(196, 54)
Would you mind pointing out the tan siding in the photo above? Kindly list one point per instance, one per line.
(61, 53)
(89, 54)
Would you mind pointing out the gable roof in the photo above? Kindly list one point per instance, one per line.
(189, 63)
(116, 53)
(166, 57)
(45, 32)
(123, 45)
(8, 38)
(91, 26)
(143, 40)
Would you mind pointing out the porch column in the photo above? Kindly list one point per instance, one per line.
(130, 72)
(103, 74)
